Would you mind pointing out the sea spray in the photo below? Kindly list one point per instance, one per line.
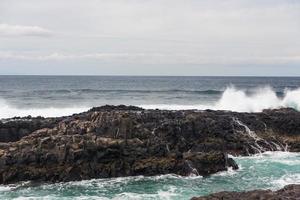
(9, 111)
(258, 141)
(193, 170)
(240, 100)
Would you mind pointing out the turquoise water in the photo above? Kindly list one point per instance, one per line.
(271, 170)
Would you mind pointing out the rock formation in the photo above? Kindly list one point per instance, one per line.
(14, 129)
(290, 192)
(113, 141)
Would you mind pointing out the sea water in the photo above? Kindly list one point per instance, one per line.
(270, 170)
(52, 96)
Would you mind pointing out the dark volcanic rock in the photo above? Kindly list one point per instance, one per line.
(119, 108)
(12, 130)
(290, 192)
(113, 141)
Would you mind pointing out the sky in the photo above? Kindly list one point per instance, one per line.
(150, 37)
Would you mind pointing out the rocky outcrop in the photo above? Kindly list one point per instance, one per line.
(14, 129)
(290, 192)
(113, 141)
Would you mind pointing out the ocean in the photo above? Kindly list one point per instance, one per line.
(52, 96)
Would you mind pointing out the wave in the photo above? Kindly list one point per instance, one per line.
(8, 111)
(232, 99)
(244, 101)
(99, 91)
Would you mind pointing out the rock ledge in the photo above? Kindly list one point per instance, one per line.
(290, 192)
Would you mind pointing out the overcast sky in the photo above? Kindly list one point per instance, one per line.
(150, 37)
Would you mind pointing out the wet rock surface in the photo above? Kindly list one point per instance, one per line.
(290, 192)
(114, 141)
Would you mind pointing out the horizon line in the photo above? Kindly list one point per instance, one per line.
(89, 75)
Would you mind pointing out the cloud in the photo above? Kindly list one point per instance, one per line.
(106, 57)
(150, 58)
(130, 33)
(18, 30)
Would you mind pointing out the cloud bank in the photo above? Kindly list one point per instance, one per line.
(17, 30)
(137, 33)
(149, 58)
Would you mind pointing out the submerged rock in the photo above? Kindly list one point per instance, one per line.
(114, 141)
(290, 192)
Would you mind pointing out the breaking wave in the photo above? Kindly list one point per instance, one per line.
(232, 99)
(8, 111)
(244, 101)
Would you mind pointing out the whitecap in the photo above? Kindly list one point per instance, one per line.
(240, 100)
(286, 180)
(9, 111)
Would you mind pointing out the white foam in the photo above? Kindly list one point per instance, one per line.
(239, 100)
(171, 192)
(286, 158)
(280, 154)
(83, 197)
(271, 155)
(230, 172)
(8, 111)
(4, 188)
(286, 180)
(161, 194)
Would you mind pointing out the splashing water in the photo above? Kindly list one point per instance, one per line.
(258, 148)
(193, 171)
(262, 98)
(231, 99)
(239, 100)
(8, 111)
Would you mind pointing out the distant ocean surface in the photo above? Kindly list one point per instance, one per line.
(64, 95)
(59, 95)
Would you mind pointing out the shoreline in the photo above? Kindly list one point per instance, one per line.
(287, 192)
